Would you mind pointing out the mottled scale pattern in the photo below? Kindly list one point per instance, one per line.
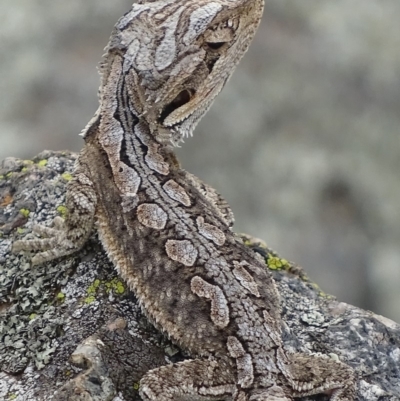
(152, 215)
(168, 234)
(176, 192)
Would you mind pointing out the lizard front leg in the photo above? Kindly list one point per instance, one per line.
(196, 379)
(70, 235)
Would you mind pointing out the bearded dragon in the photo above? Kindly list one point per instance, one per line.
(168, 234)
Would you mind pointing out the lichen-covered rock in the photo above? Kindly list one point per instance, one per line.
(71, 330)
(47, 311)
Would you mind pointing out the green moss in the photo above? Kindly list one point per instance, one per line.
(24, 169)
(20, 230)
(91, 291)
(27, 162)
(32, 316)
(119, 288)
(25, 212)
(42, 163)
(276, 263)
(115, 285)
(321, 293)
(89, 299)
(67, 176)
(1, 177)
(62, 210)
(136, 386)
(60, 296)
(247, 242)
(11, 396)
(8, 175)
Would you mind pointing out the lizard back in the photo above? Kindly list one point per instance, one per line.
(193, 276)
(167, 233)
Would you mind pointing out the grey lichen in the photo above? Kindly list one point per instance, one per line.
(44, 311)
(25, 290)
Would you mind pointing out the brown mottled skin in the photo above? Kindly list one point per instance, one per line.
(168, 234)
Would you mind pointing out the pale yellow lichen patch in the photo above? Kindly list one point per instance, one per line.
(42, 163)
(247, 242)
(62, 210)
(91, 291)
(25, 212)
(321, 293)
(89, 299)
(115, 285)
(60, 296)
(67, 176)
(276, 263)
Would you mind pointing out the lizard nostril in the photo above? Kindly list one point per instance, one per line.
(182, 98)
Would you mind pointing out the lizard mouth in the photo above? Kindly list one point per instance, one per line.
(181, 99)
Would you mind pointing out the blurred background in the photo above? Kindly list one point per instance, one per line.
(304, 141)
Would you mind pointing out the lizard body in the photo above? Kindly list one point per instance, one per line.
(168, 234)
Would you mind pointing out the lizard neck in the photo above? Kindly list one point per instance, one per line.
(135, 143)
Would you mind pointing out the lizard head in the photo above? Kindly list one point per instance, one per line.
(178, 54)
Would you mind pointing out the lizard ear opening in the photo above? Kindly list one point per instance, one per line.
(182, 98)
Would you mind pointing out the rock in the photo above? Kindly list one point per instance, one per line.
(71, 330)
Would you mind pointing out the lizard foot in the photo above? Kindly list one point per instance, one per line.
(193, 379)
(55, 242)
(312, 374)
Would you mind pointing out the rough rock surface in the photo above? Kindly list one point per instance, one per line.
(70, 330)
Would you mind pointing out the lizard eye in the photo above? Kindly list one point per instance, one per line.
(182, 98)
(216, 38)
